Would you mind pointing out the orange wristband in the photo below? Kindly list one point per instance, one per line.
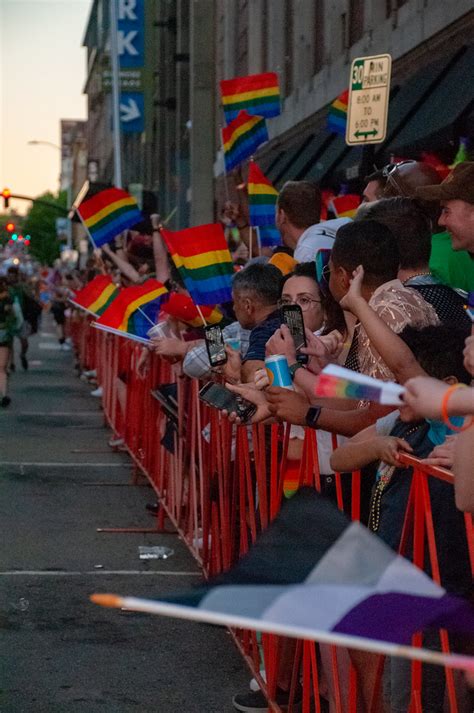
(444, 410)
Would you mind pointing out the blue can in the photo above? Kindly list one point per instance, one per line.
(278, 371)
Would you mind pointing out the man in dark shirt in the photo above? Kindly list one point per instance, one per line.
(255, 291)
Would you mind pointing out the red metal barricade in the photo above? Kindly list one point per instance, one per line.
(220, 485)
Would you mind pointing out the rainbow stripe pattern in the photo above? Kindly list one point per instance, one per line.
(337, 116)
(345, 206)
(203, 259)
(338, 382)
(107, 213)
(269, 236)
(183, 308)
(262, 197)
(97, 295)
(242, 137)
(135, 309)
(258, 94)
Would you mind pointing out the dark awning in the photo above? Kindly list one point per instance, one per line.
(438, 103)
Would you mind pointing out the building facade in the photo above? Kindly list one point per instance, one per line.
(189, 45)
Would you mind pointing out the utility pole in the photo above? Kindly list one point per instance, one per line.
(115, 94)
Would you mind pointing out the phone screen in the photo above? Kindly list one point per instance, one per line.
(292, 316)
(215, 345)
(221, 398)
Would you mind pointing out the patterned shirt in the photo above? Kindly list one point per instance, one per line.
(398, 307)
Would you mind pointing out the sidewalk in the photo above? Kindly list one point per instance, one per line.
(60, 653)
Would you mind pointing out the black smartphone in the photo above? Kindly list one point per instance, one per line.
(215, 344)
(292, 316)
(223, 399)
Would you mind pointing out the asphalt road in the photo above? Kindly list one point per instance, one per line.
(58, 652)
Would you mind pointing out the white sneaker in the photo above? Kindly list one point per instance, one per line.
(65, 347)
(253, 685)
(116, 442)
(91, 374)
(98, 393)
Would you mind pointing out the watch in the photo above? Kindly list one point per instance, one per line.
(294, 367)
(312, 416)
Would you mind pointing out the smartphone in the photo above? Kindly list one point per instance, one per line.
(322, 263)
(292, 316)
(215, 344)
(223, 399)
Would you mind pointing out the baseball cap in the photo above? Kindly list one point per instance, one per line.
(459, 185)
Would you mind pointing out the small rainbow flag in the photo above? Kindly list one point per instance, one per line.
(262, 197)
(97, 295)
(259, 94)
(135, 310)
(337, 116)
(183, 308)
(269, 236)
(345, 206)
(202, 256)
(242, 137)
(337, 382)
(107, 213)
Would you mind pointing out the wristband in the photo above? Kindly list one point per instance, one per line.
(294, 367)
(444, 410)
(312, 416)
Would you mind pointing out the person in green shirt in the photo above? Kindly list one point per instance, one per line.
(455, 269)
(456, 196)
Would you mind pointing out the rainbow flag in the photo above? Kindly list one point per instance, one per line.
(203, 259)
(96, 296)
(340, 383)
(337, 117)
(262, 197)
(242, 137)
(269, 236)
(107, 213)
(345, 206)
(183, 308)
(135, 309)
(258, 94)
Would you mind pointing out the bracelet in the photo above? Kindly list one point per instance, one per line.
(444, 410)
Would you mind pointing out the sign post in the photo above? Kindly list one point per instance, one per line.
(367, 110)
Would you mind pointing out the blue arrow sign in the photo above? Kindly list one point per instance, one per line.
(132, 112)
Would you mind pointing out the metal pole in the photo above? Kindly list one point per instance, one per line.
(115, 95)
(69, 225)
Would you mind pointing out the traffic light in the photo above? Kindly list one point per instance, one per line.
(10, 227)
(6, 193)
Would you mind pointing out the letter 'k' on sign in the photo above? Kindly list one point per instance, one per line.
(131, 31)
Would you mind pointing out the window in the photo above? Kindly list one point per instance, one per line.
(318, 49)
(356, 21)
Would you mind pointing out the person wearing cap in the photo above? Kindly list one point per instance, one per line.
(449, 265)
(456, 195)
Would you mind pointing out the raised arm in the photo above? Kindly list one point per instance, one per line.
(395, 353)
(160, 253)
(122, 264)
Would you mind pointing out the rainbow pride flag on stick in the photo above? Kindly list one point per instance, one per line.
(258, 94)
(203, 259)
(337, 117)
(344, 206)
(96, 296)
(242, 137)
(262, 197)
(134, 311)
(107, 213)
(338, 382)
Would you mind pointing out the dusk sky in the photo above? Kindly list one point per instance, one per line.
(42, 74)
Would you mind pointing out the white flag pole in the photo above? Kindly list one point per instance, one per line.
(115, 94)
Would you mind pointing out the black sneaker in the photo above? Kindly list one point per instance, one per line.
(256, 702)
(5, 401)
(24, 362)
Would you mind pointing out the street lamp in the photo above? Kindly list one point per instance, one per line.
(40, 142)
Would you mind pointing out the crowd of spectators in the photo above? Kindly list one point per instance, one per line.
(392, 302)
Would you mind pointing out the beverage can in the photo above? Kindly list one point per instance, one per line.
(278, 371)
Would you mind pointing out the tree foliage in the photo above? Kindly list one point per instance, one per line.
(40, 224)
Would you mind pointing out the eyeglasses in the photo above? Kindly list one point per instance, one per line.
(303, 301)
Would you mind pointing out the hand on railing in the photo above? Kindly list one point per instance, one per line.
(143, 363)
(286, 405)
(443, 455)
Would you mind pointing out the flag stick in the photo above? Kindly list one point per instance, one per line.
(226, 187)
(251, 229)
(87, 230)
(257, 228)
(150, 606)
(170, 215)
(201, 315)
(146, 316)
